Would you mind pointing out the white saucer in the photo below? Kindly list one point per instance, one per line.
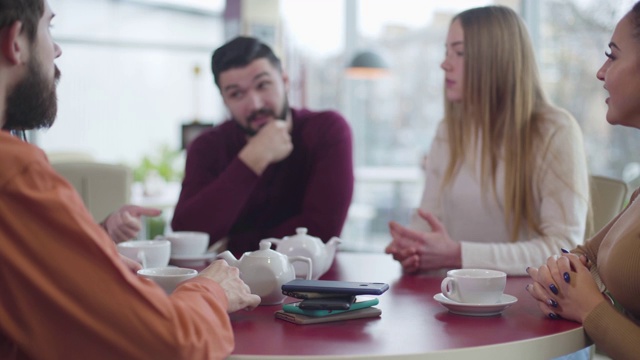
(192, 260)
(476, 309)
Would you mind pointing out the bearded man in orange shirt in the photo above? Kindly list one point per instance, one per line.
(64, 291)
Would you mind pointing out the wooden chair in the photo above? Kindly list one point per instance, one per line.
(103, 187)
(69, 156)
(608, 196)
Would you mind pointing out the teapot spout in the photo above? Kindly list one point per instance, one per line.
(332, 246)
(229, 258)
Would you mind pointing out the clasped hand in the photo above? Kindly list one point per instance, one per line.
(421, 251)
(564, 287)
(270, 145)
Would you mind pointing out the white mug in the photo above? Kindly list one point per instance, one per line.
(474, 286)
(168, 277)
(187, 243)
(149, 253)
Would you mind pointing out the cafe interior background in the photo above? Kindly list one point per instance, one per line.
(136, 84)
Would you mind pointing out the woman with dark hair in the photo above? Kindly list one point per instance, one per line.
(598, 284)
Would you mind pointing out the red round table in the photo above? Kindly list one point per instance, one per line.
(412, 326)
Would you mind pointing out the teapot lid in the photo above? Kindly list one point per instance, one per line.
(301, 233)
(265, 245)
(264, 250)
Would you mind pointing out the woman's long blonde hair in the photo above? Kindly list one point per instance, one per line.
(502, 101)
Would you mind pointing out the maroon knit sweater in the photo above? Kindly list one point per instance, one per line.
(311, 188)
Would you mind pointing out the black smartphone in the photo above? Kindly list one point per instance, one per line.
(333, 286)
(334, 303)
(311, 295)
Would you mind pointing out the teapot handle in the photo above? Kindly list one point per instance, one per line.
(303, 259)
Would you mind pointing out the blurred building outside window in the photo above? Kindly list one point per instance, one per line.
(394, 119)
(128, 85)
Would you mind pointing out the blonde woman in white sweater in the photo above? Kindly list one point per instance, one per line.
(506, 177)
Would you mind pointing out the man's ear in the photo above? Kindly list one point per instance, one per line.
(224, 100)
(12, 45)
(285, 80)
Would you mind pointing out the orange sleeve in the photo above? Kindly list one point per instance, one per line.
(65, 293)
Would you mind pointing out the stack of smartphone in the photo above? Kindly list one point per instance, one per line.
(327, 300)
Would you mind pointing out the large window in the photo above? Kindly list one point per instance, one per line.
(573, 37)
(129, 83)
(128, 80)
(394, 118)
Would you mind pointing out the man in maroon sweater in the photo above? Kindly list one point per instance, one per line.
(269, 169)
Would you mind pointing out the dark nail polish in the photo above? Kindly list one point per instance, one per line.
(566, 277)
(554, 289)
(565, 250)
(553, 316)
(552, 303)
(527, 269)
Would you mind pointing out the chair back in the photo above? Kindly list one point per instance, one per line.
(69, 156)
(608, 196)
(103, 187)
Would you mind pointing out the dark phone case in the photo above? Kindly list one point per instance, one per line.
(332, 286)
(337, 303)
(311, 295)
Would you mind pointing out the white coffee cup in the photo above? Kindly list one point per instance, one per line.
(168, 277)
(474, 286)
(149, 253)
(187, 243)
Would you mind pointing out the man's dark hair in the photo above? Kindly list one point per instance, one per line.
(635, 17)
(240, 52)
(29, 12)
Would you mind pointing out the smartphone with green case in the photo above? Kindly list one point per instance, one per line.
(294, 308)
(332, 303)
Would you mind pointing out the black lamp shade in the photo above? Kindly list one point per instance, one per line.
(367, 64)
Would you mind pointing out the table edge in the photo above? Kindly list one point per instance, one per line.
(546, 347)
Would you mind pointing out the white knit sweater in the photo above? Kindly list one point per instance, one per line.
(474, 217)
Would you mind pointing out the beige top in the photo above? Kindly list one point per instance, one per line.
(474, 217)
(616, 251)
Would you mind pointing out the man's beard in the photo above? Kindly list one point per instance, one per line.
(33, 103)
(262, 112)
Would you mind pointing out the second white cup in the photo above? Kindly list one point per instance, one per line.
(474, 286)
(187, 243)
(149, 253)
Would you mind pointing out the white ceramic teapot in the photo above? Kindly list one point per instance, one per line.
(265, 270)
(301, 244)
